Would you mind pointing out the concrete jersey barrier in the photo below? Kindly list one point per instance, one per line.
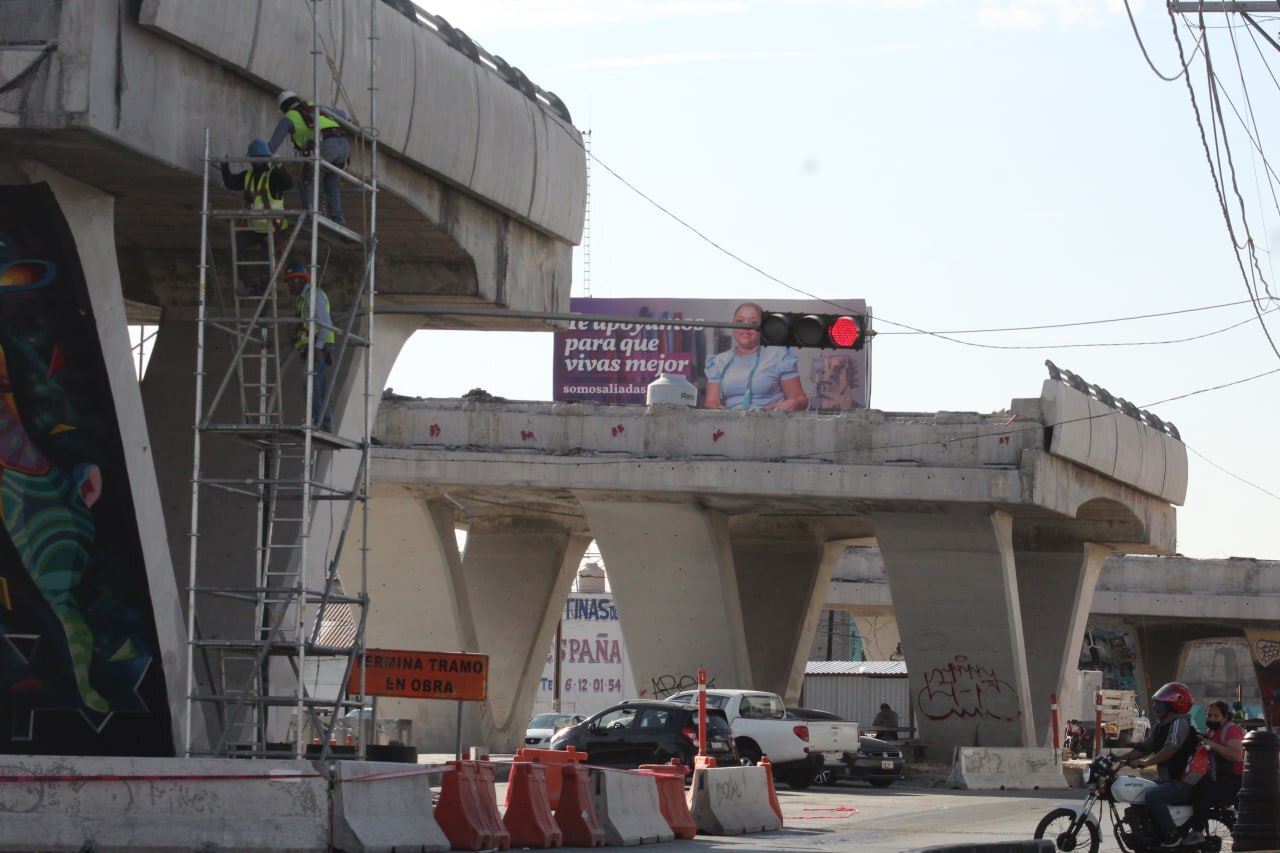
(627, 808)
(154, 804)
(383, 807)
(992, 768)
(732, 801)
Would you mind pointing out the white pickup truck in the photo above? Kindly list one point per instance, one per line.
(760, 727)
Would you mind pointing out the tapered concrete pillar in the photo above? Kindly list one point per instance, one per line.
(955, 590)
(90, 619)
(783, 573)
(1056, 592)
(672, 576)
(417, 601)
(518, 572)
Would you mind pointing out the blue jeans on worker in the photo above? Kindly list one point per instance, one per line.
(1158, 800)
(321, 419)
(337, 151)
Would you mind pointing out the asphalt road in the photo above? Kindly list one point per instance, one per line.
(853, 816)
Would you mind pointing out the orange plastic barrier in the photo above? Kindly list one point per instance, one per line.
(553, 759)
(489, 806)
(701, 762)
(529, 817)
(773, 795)
(675, 809)
(458, 809)
(576, 814)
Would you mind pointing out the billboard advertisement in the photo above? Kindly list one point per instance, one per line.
(613, 361)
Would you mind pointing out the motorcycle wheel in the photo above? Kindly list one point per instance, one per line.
(1221, 832)
(1055, 826)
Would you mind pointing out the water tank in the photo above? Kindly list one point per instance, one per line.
(673, 389)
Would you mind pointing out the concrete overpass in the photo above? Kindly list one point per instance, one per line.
(1163, 606)
(721, 531)
(104, 106)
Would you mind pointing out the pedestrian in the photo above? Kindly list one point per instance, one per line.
(264, 186)
(298, 124)
(299, 281)
(886, 723)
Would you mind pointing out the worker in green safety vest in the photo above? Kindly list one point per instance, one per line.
(298, 124)
(298, 279)
(263, 186)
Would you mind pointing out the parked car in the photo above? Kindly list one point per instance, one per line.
(874, 761)
(760, 728)
(537, 735)
(648, 732)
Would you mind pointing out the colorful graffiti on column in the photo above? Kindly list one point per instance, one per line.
(1264, 646)
(1111, 651)
(79, 673)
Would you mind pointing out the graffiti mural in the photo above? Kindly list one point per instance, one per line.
(79, 669)
(1111, 651)
(964, 689)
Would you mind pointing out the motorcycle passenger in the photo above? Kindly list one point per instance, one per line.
(1169, 746)
(1220, 786)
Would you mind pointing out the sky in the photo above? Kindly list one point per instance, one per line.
(963, 167)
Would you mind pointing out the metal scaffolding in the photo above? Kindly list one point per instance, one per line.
(255, 631)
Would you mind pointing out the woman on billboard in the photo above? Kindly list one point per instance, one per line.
(752, 375)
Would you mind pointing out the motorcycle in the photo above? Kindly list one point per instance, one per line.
(1077, 738)
(1074, 826)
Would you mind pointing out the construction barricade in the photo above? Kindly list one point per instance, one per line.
(732, 801)
(528, 817)
(554, 759)
(487, 792)
(627, 807)
(773, 793)
(576, 814)
(675, 810)
(459, 811)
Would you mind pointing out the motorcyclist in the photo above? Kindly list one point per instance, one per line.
(1225, 741)
(1169, 746)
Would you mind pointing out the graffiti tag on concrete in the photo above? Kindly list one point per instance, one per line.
(962, 689)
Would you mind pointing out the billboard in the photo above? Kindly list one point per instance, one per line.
(613, 361)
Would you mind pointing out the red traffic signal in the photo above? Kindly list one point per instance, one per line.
(825, 331)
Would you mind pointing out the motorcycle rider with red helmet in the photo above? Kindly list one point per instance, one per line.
(1169, 746)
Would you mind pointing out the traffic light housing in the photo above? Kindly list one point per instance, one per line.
(825, 331)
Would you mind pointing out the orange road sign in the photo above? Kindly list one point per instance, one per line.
(421, 675)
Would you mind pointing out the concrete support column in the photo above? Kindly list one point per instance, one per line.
(417, 600)
(783, 576)
(518, 572)
(1056, 591)
(672, 576)
(955, 589)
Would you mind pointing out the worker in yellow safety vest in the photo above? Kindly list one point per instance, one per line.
(298, 124)
(298, 279)
(263, 186)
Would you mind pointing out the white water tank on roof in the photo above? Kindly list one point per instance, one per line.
(673, 389)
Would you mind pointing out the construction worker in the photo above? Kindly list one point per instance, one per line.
(299, 282)
(297, 124)
(264, 186)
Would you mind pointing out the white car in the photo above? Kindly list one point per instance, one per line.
(543, 726)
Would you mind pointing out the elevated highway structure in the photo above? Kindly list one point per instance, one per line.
(722, 529)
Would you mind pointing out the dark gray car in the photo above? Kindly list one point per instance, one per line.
(648, 732)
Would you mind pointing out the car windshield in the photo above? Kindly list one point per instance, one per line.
(692, 699)
(548, 721)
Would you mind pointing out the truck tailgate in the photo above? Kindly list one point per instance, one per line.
(828, 736)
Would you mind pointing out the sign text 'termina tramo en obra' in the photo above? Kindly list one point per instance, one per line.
(421, 675)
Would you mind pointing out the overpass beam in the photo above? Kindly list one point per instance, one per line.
(955, 588)
(671, 571)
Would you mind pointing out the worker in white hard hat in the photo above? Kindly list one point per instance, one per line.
(298, 124)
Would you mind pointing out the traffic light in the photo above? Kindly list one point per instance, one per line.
(827, 331)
